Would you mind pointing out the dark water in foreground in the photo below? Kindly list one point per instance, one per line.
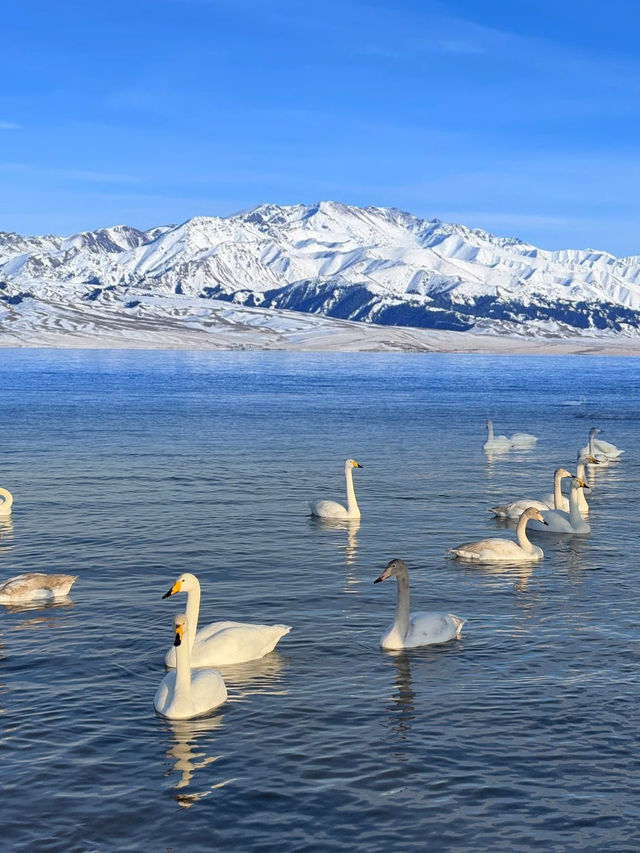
(128, 468)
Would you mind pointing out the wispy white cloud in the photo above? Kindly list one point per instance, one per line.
(10, 125)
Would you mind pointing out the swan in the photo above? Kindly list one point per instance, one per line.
(496, 442)
(523, 439)
(183, 694)
(333, 509)
(596, 448)
(221, 643)
(7, 502)
(503, 550)
(558, 521)
(516, 508)
(421, 629)
(35, 586)
(557, 500)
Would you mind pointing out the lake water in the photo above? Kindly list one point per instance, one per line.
(128, 468)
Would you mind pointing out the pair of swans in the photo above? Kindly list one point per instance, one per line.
(503, 550)
(333, 509)
(560, 521)
(603, 451)
(35, 586)
(184, 694)
(554, 500)
(500, 443)
(421, 629)
(6, 503)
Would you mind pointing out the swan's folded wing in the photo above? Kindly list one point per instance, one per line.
(327, 509)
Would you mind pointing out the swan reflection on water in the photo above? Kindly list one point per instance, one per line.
(402, 712)
(60, 603)
(346, 539)
(6, 533)
(254, 677)
(189, 756)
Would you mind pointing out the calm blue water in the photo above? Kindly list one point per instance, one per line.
(128, 468)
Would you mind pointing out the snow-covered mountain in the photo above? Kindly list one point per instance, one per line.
(372, 265)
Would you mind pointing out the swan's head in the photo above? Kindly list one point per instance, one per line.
(577, 483)
(535, 514)
(351, 463)
(561, 473)
(185, 583)
(594, 431)
(393, 567)
(179, 627)
(591, 460)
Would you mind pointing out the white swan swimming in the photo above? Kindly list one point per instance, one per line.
(221, 643)
(603, 451)
(557, 500)
(6, 503)
(183, 694)
(333, 509)
(558, 521)
(421, 629)
(503, 550)
(35, 586)
(518, 441)
(516, 508)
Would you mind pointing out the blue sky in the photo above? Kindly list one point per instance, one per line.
(519, 117)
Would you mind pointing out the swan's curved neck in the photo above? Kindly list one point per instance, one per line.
(557, 491)
(582, 474)
(401, 623)
(6, 504)
(352, 504)
(490, 428)
(193, 610)
(521, 533)
(183, 664)
(574, 507)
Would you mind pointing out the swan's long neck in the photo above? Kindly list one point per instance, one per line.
(521, 533)
(193, 610)
(352, 504)
(490, 428)
(401, 623)
(574, 507)
(582, 501)
(183, 663)
(6, 504)
(557, 491)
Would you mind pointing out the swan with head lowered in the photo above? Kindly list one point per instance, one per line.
(558, 521)
(184, 694)
(36, 587)
(221, 643)
(333, 509)
(516, 508)
(503, 550)
(6, 503)
(420, 629)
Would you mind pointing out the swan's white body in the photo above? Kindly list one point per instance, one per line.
(184, 694)
(516, 508)
(603, 451)
(502, 550)
(557, 500)
(6, 503)
(221, 643)
(35, 586)
(420, 629)
(519, 440)
(558, 521)
(333, 509)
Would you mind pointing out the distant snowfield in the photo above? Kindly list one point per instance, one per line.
(190, 324)
(315, 277)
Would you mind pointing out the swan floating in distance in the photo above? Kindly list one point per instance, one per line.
(557, 500)
(221, 643)
(503, 550)
(519, 440)
(6, 503)
(183, 694)
(421, 629)
(35, 586)
(516, 508)
(558, 521)
(333, 509)
(603, 451)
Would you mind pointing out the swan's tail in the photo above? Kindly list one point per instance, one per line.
(501, 511)
(458, 623)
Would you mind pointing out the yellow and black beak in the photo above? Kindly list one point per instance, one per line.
(357, 465)
(175, 588)
(178, 638)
